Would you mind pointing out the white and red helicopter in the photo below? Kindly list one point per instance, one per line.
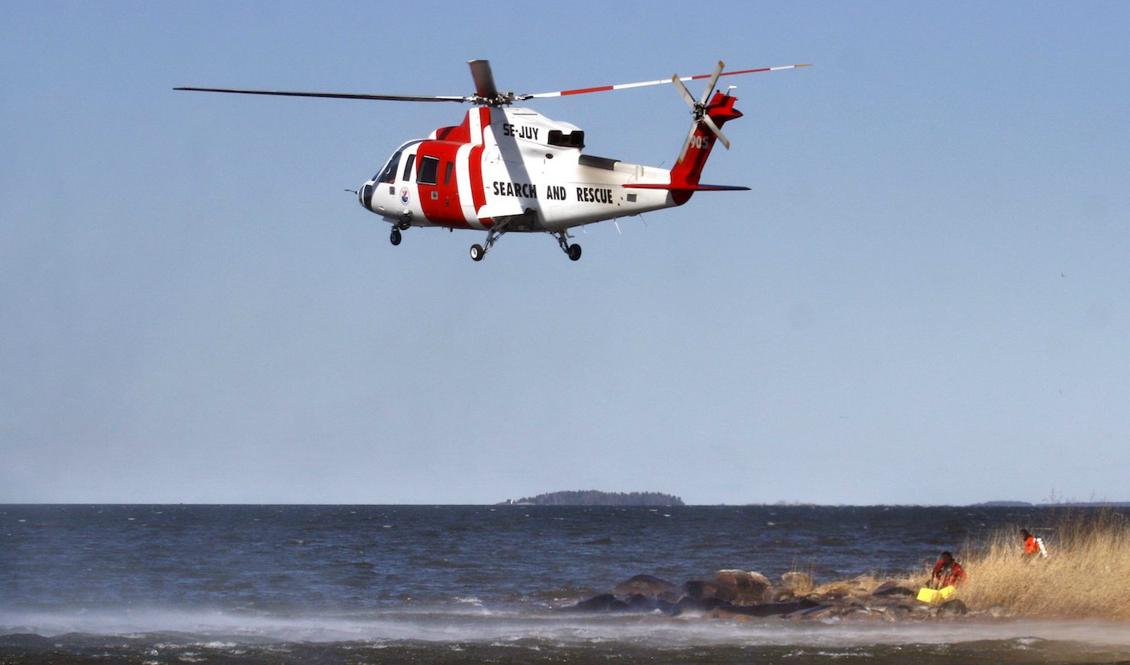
(511, 169)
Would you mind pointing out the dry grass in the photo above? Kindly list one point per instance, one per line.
(1086, 575)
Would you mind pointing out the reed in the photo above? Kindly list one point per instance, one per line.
(1086, 575)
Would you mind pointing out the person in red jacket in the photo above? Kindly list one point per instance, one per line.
(1034, 547)
(1031, 547)
(947, 572)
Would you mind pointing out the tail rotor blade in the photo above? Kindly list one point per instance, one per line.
(687, 143)
(713, 82)
(709, 122)
(682, 88)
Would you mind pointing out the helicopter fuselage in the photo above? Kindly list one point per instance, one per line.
(509, 166)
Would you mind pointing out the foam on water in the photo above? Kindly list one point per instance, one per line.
(478, 625)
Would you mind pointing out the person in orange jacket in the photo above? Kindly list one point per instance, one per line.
(1032, 546)
(947, 572)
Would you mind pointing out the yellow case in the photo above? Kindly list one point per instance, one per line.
(935, 595)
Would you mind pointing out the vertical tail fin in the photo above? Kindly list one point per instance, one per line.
(699, 143)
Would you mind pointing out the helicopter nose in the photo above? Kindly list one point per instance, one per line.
(365, 195)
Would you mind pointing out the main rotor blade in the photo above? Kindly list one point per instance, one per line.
(643, 84)
(484, 79)
(710, 86)
(328, 95)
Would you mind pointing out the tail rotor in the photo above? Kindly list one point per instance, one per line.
(698, 108)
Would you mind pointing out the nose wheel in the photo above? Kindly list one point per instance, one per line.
(572, 251)
(394, 237)
(477, 252)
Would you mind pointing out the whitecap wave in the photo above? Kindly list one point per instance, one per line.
(475, 624)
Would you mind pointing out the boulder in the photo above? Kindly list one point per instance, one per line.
(640, 603)
(797, 582)
(858, 587)
(604, 602)
(706, 590)
(748, 588)
(952, 607)
(647, 585)
(689, 604)
(891, 589)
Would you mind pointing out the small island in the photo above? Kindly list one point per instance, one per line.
(598, 498)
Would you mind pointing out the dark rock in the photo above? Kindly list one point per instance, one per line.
(921, 611)
(891, 589)
(604, 602)
(817, 613)
(705, 590)
(640, 603)
(774, 609)
(691, 604)
(952, 607)
(646, 585)
(897, 612)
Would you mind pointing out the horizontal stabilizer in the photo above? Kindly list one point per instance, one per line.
(686, 187)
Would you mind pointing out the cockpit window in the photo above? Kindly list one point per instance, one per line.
(408, 166)
(388, 174)
(428, 168)
(573, 139)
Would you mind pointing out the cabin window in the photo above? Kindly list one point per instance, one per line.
(573, 139)
(428, 168)
(447, 173)
(388, 174)
(408, 167)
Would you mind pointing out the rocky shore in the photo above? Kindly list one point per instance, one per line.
(743, 595)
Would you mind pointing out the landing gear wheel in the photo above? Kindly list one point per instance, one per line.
(574, 252)
(394, 237)
(477, 252)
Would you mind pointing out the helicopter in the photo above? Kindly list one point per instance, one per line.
(510, 169)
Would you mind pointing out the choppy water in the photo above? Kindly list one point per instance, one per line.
(474, 584)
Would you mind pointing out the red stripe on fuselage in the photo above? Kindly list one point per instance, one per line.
(475, 167)
(440, 202)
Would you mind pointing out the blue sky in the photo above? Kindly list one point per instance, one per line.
(922, 299)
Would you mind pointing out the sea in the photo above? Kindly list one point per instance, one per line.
(481, 584)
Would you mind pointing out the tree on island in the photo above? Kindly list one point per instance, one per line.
(598, 498)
